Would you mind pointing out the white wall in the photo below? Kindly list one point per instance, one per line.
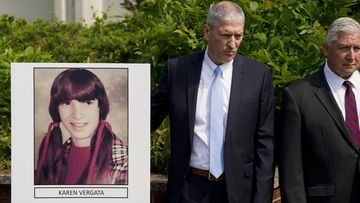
(65, 10)
(84, 9)
(28, 9)
(115, 9)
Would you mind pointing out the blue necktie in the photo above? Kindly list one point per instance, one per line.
(217, 125)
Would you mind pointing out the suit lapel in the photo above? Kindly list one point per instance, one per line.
(324, 94)
(237, 86)
(193, 79)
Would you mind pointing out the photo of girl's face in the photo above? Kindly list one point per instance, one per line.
(81, 120)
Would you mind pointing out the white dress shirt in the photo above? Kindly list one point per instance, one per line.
(200, 150)
(338, 89)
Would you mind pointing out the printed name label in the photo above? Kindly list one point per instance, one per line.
(77, 192)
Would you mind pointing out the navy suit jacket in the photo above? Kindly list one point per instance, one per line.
(249, 138)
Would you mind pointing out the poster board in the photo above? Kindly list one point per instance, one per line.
(128, 90)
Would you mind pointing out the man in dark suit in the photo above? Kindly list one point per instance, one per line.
(242, 169)
(320, 138)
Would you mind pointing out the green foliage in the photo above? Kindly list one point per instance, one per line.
(5, 149)
(160, 148)
(286, 35)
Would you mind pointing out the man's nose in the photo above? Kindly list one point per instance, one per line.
(350, 53)
(231, 42)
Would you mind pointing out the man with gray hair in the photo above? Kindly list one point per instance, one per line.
(320, 138)
(221, 110)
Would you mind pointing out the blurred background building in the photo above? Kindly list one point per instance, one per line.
(64, 10)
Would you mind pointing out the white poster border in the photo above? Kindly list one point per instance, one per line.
(22, 153)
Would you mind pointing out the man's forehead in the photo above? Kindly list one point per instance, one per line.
(347, 38)
(237, 28)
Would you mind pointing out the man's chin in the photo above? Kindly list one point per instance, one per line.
(228, 58)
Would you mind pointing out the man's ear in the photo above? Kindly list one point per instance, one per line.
(206, 31)
(325, 48)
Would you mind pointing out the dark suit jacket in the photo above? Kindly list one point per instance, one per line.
(318, 160)
(249, 139)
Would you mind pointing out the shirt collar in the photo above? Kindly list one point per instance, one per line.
(336, 82)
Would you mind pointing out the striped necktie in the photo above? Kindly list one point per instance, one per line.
(352, 119)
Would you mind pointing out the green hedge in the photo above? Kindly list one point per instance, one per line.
(287, 35)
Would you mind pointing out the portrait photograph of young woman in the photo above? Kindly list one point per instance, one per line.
(81, 126)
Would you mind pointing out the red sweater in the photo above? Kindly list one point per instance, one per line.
(77, 161)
